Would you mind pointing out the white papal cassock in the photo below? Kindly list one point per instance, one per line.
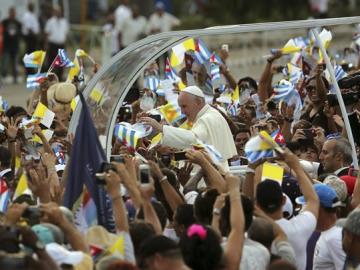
(210, 127)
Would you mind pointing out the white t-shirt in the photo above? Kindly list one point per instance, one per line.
(329, 253)
(133, 28)
(57, 30)
(122, 14)
(254, 256)
(30, 22)
(162, 24)
(298, 230)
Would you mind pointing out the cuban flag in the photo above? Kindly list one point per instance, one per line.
(126, 135)
(4, 195)
(202, 53)
(34, 80)
(278, 137)
(215, 73)
(339, 73)
(283, 90)
(215, 58)
(232, 109)
(170, 73)
(295, 73)
(62, 60)
(152, 83)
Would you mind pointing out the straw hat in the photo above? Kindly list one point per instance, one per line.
(61, 93)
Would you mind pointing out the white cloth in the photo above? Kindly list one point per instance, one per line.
(320, 5)
(162, 23)
(254, 256)
(133, 28)
(209, 127)
(111, 41)
(284, 250)
(170, 233)
(329, 253)
(298, 230)
(57, 30)
(122, 14)
(30, 23)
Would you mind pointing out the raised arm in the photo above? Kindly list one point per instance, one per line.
(171, 196)
(306, 187)
(266, 78)
(113, 182)
(235, 241)
(212, 176)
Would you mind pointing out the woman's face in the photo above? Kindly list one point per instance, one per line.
(311, 91)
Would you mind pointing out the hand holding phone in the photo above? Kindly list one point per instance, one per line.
(180, 156)
(144, 171)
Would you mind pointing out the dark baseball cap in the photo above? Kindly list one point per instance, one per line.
(269, 195)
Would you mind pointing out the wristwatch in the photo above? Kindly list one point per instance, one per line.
(216, 212)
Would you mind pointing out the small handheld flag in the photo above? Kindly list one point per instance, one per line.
(34, 80)
(43, 115)
(178, 51)
(34, 59)
(202, 53)
(151, 83)
(126, 135)
(171, 113)
(170, 73)
(4, 195)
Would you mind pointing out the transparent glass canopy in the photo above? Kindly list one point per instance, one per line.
(115, 78)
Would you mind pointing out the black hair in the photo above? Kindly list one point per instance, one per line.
(15, 111)
(158, 244)
(325, 81)
(5, 157)
(139, 232)
(202, 253)
(248, 208)
(249, 80)
(160, 212)
(261, 231)
(172, 179)
(185, 215)
(203, 206)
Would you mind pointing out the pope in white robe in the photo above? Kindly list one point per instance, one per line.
(209, 126)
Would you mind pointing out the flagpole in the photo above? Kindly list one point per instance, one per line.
(51, 66)
(91, 59)
(338, 95)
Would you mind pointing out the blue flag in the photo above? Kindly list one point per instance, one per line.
(87, 156)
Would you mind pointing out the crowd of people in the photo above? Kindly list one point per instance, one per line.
(206, 171)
